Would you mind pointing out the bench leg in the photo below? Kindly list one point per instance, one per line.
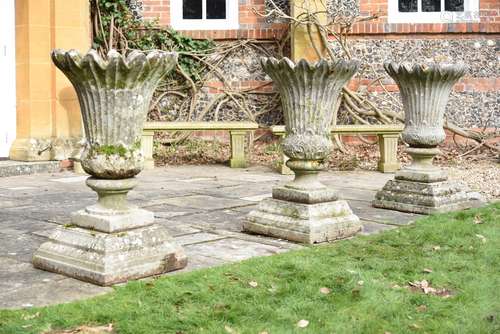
(147, 149)
(283, 168)
(238, 157)
(388, 144)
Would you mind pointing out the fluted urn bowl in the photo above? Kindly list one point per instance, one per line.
(114, 95)
(424, 89)
(309, 92)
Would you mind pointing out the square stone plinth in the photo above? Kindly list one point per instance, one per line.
(306, 223)
(109, 221)
(305, 196)
(110, 258)
(424, 198)
(418, 175)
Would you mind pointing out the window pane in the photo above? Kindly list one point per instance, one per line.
(454, 5)
(216, 9)
(407, 5)
(192, 9)
(431, 5)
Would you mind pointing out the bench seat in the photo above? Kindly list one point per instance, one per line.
(238, 131)
(388, 135)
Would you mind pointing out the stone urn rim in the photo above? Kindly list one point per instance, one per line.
(114, 92)
(324, 64)
(130, 60)
(422, 69)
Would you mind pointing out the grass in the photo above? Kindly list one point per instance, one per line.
(368, 278)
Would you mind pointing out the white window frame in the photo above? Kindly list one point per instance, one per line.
(230, 22)
(470, 14)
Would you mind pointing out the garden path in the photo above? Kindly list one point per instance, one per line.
(203, 207)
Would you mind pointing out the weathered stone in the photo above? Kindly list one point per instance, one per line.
(112, 213)
(19, 246)
(117, 241)
(305, 196)
(305, 210)
(306, 223)
(109, 258)
(196, 238)
(375, 228)
(425, 198)
(423, 187)
(21, 286)
(114, 96)
(220, 220)
(367, 212)
(12, 168)
(233, 249)
(49, 292)
(202, 202)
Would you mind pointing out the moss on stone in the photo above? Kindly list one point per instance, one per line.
(120, 150)
(111, 150)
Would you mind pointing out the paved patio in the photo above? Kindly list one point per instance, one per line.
(202, 206)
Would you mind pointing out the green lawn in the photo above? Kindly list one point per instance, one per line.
(368, 278)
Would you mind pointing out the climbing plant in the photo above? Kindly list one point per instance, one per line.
(116, 27)
(182, 95)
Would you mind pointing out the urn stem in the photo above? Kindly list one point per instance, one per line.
(422, 158)
(306, 174)
(112, 194)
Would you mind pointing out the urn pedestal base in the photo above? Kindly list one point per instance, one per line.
(110, 242)
(95, 218)
(424, 188)
(110, 258)
(425, 198)
(303, 222)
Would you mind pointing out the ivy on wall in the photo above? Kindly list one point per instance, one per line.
(116, 26)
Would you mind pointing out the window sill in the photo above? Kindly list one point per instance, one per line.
(203, 25)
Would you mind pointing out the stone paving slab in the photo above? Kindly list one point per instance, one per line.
(12, 168)
(241, 190)
(179, 230)
(366, 195)
(19, 247)
(51, 292)
(197, 238)
(374, 228)
(365, 211)
(232, 249)
(16, 275)
(229, 220)
(205, 202)
(12, 226)
(203, 208)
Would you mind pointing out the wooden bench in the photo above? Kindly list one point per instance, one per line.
(237, 131)
(387, 140)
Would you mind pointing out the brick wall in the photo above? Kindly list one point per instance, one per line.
(252, 25)
(474, 101)
(256, 27)
(475, 97)
(489, 12)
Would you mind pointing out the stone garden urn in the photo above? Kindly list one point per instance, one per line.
(305, 210)
(112, 241)
(423, 187)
